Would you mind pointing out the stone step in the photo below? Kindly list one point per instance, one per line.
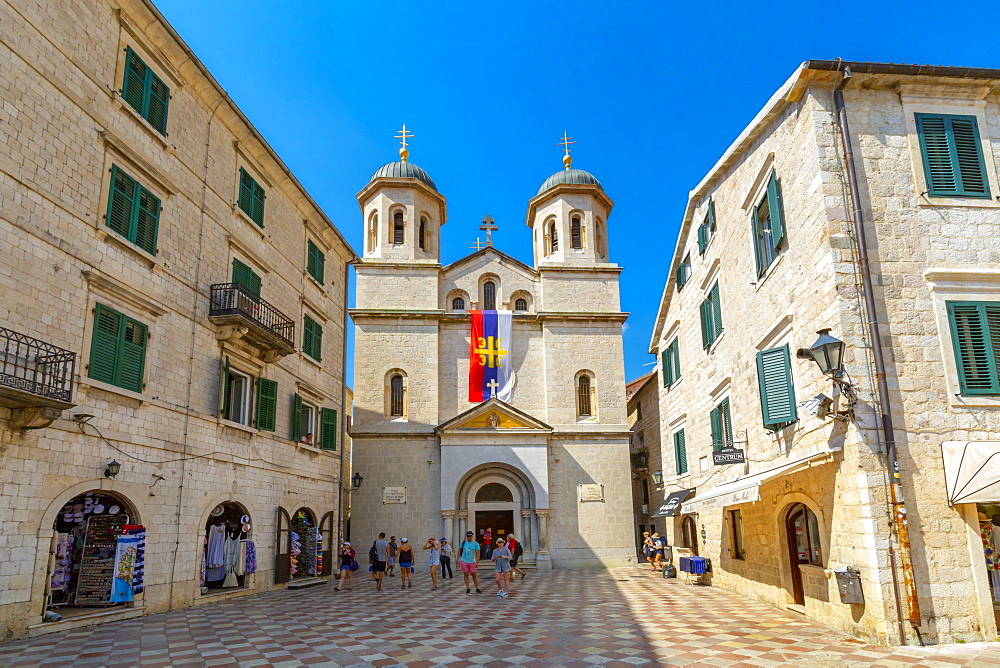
(307, 582)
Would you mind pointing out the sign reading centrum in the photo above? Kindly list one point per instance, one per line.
(728, 456)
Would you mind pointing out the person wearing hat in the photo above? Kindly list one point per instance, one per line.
(346, 563)
(404, 557)
(501, 561)
(446, 551)
(468, 561)
(647, 549)
(657, 552)
(433, 560)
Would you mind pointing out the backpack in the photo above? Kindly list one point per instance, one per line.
(372, 554)
(519, 550)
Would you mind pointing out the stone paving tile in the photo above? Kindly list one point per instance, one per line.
(622, 617)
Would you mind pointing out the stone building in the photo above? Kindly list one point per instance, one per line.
(551, 464)
(642, 400)
(171, 332)
(769, 254)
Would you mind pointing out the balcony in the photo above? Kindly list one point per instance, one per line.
(640, 460)
(242, 314)
(36, 379)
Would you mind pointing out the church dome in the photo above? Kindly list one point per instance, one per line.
(403, 170)
(569, 176)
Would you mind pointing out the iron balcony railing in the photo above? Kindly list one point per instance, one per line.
(237, 299)
(640, 459)
(36, 367)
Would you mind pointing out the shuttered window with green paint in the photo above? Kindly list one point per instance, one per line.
(670, 362)
(247, 277)
(117, 349)
(975, 333)
(133, 212)
(315, 261)
(683, 272)
(707, 228)
(680, 453)
(777, 392)
(312, 338)
(252, 197)
(711, 317)
(768, 223)
(145, 92)
(952, 156)
(267, 404)
(722, 425)
(328, 429)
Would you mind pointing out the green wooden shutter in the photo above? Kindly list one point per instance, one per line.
(952, 156)
(775, 209)
(312, 338)
(716, 428)
(246, 277)
(680, 453)
(975, 331)
(157, 103)
(757, 236)
(104, 344)
(716, 312)
(665, 367)
(267, 404)
(777, 394)
(706, 323)
(702, 239)
(121, 197)
(315, 261)
(296, 418)
(710, 220)
(328, 429)
(726, 421)
(258, 204)
(133, 355)
(675, 354)
(147, 220)
(246, 192)
(134, 82)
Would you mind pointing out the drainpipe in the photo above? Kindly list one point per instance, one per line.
(343, 417)
(895, 487)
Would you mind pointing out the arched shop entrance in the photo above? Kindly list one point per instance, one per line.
(229, 556)
(98, 553)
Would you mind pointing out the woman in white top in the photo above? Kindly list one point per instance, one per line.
(434, 558)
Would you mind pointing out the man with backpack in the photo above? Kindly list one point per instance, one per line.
(468, 561)
(516, 550)
(377, 556)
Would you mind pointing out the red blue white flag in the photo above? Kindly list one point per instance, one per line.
(490, 368)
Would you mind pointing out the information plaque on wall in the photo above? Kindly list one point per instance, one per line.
(591, 493)
(393, 495)
(97, 561)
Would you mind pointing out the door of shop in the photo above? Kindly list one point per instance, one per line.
(798, 550)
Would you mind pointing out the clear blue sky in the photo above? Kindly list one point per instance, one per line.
(653, 93)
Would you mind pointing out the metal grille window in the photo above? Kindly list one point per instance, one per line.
(583, 397)
(576, 233)
(521, 305)
(396, 396)
(397, 228)
(457, 304)
(489, 296)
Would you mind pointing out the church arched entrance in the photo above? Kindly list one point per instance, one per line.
(495, 501)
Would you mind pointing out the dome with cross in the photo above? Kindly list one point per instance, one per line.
(403, 170)
(569, 176)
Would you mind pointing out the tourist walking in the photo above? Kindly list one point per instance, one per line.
(381, 549)
(347, 566)
(433, 560)
(487, 542)
(516, 550)
(647, 549)
(468, 561)
(657, 552)
(404, 556)
(391, 561)
(501, 558)
(446, 551)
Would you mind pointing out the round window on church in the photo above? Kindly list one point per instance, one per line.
(494, 492)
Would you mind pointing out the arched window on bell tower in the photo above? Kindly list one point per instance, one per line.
(553, 237)
(422, 234)
(576, 233)
(372, 232)
(397, 228)
(489, 296)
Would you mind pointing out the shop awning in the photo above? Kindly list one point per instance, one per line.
(672, 504)
(972, 471)
(747, 488)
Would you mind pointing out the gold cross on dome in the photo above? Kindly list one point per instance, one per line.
(566, 141)
(402, 136)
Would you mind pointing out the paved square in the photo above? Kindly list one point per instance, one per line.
(622, 617)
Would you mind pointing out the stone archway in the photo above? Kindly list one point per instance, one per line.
(529, 521)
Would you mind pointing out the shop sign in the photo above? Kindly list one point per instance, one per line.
(728, 456)
(393, 495)
(591, 493)
(672, 505)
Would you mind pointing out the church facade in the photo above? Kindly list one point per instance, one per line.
(550, 464)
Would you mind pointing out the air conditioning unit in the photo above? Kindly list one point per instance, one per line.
(645, 509)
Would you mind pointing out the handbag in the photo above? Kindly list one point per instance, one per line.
(353, 566)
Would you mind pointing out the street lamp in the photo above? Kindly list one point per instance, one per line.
(356, 481)
(112, 469)
(657, 477)
(827, 352)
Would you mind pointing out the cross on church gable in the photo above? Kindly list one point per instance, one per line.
(489, 227)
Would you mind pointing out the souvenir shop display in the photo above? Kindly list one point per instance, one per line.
(228, 549)
(97, 559)
(989, 531)
(306, 546)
